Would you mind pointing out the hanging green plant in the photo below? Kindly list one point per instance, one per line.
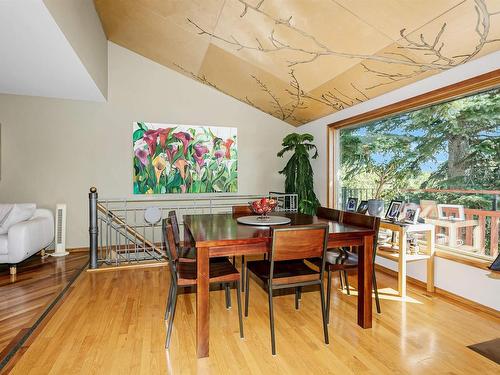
(298, 171)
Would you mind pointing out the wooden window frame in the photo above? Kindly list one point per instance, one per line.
(467, 87)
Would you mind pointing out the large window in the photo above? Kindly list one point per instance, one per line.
(444, 157)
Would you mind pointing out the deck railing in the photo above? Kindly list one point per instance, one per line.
(480, 239)
(120, 234)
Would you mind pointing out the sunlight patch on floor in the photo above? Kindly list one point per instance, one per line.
(387, 294)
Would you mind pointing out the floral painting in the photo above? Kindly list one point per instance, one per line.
(184, 159)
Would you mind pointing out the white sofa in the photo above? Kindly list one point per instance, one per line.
(27, 238)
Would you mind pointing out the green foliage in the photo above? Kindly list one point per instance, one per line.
(387, 158)
(298, 171)
(391, 152)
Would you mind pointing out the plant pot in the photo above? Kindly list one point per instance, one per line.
(375, 207)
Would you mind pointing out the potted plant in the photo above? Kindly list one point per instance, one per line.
(298, 171)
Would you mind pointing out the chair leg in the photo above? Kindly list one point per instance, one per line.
(323, 312)
(328, 294)
(243, 272)
(247, 292)
(346, 279)
(171, 319)
(296, 298)
(341, 281)
(375, 288)
(234, 261)
(228, 295)
(238, 298)
(169, 301)
(271, 320)
(300, 293)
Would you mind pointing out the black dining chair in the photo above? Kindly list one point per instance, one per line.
(241, 210)
(285, 267)
(348, 260)
(187, 253)
(335, 252)
(183, 275)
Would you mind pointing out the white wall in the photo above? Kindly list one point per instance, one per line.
(469, 282)
(36, 57)
(54, 150)
(79, 22)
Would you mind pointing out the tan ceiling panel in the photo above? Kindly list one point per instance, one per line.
(458, 36)
(300, 60)
(245, 81)
(329, 24)
(406, 14)
(151, 34)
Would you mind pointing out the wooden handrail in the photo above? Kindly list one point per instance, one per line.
(489, 192)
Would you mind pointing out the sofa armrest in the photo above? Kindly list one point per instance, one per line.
(28, 237)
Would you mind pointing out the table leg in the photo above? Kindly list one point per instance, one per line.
(202, 302)
(365, 270)
(402, 264)
(431, 248)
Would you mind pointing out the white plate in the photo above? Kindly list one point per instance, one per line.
(267, 221)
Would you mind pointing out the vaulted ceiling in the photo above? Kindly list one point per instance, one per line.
(300, 60)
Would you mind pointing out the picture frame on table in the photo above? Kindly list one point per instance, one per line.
(394, 210)
(351, 204)
(363, 207)
(410, 213)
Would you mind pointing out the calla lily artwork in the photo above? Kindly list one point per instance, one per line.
(184, 159)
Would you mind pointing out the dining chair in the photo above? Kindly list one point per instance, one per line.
(285, 267)
(333, 215)
(242, 210)
(183, 275)
(188, 253)
(348, 259)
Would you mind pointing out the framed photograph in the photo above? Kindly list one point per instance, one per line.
(363, 207)
(351, 204)
(410, 213)
(394, 210)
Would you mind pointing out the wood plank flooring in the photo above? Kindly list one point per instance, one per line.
(26, 295)
(112, 323)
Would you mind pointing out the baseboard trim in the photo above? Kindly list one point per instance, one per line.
(454, 298)
(128, 267)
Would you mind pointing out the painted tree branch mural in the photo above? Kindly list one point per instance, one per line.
(307, 59)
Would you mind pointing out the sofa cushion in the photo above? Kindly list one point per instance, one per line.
(20, 212)
(3, 244)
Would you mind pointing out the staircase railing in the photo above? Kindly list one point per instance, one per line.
(119, 233)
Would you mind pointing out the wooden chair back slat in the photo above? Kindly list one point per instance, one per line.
(242, 210)
(329, 213)
(299, 242)
(175, 227)
(169, 241)
(360, 220)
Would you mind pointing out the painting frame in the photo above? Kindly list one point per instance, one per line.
(362, 207)
(351, 204)
(410, 213)
(178, 158)
(394, 210)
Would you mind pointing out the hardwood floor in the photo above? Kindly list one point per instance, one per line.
(24, 297)
(112, 323)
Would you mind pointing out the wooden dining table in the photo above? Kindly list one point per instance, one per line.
(216, 235)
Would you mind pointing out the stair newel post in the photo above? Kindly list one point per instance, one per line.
(93, 230)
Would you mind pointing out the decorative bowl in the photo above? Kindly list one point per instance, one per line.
(263, 206)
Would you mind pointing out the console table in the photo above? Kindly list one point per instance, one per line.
(397, 252)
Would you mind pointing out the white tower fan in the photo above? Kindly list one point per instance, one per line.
(60, 230)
